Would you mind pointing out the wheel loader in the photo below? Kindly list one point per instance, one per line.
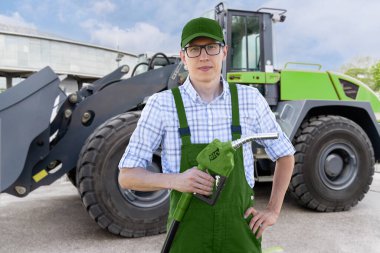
(332, 120)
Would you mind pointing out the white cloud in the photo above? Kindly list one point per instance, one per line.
(141, 38)
(329, 31)
(103, 7)
(172, 15)
(15, 19)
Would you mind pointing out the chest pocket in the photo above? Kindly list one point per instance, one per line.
(248, 125)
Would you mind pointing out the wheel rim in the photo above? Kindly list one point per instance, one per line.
(146, 199)
(338, 166)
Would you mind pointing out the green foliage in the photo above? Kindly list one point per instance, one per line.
(362, 74)
(375, 71)
(365, 69)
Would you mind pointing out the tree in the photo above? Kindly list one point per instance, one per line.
(362, 74)
(375, 71)
(364, 69)
(358, 62)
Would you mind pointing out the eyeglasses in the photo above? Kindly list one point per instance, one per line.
(195, 51)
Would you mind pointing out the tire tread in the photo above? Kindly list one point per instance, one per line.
(86, 177)
(302, 141)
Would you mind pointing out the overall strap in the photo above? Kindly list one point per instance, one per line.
(235, 127)
(184, 130)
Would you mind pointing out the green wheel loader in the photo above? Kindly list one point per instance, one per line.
(331, 118)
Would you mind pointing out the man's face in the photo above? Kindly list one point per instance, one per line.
(204, 68)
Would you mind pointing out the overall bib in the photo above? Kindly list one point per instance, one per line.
(222, 227)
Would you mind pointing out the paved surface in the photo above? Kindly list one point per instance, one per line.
(52, 219)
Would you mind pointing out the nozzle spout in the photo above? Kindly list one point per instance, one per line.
(239, 142)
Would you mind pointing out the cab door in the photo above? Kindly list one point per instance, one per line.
(249, 36)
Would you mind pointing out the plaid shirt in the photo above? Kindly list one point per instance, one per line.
(159, 125)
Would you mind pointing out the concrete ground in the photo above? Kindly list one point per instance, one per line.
(52, 219)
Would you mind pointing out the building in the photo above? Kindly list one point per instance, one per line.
(24, 51)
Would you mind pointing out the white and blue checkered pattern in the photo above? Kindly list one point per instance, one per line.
(159, 125)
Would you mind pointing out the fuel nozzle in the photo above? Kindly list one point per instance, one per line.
(217, 159)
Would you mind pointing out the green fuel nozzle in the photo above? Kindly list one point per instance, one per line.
(217, 159)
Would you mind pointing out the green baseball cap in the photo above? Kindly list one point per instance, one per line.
(201, 27)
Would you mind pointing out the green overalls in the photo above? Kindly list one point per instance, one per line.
(222, 227)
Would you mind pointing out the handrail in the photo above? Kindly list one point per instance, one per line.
(303, 63)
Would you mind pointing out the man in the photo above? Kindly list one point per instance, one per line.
(183, 122)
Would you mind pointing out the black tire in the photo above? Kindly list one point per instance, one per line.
(334, 164)
(72, 176)
(121, 212)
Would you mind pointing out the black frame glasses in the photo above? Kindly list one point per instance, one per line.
(196, 50)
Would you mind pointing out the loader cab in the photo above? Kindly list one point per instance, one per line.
(250, 54)
(249, 36)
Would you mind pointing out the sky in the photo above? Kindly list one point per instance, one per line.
(328, 32)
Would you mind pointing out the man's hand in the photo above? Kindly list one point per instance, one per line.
(194, 180)
(261, 220)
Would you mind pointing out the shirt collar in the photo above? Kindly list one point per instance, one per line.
(189, 89)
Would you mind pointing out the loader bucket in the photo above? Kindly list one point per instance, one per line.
(25, 111)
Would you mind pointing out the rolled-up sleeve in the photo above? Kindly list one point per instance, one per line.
(146, 138)
(266, 122)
